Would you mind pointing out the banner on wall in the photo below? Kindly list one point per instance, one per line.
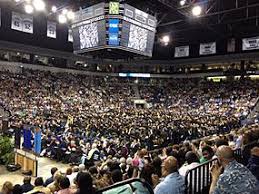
(16, 21)
(70, 35)
(27, 24)
(22, 22)
(250, 43)
(182, 51)
(208, 48)
(231, 45)
(0, 17)
(51, 29)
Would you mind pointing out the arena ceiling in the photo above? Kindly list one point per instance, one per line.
(219, 18)
(219, 21)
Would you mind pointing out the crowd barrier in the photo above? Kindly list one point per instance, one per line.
(198, 179)
(246, 151)
(131, 186)
(238, 155)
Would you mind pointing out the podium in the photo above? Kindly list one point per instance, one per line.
(27, 160)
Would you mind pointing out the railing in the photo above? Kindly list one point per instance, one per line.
(129, 186)
(238, 155)
(198, 179)
(246, 151)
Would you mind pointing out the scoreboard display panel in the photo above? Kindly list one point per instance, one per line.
(89, 35)
(138, 31)
(114, 25)
(89, 29)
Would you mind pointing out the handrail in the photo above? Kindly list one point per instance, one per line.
(198, 178)
(129, 181)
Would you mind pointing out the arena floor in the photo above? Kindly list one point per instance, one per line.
(45, 165)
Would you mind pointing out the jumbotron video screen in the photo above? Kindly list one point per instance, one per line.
(138, 31)
(114, 25)
(89, 30)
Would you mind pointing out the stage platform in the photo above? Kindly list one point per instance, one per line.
(44, 166)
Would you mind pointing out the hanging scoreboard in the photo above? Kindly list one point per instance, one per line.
(114, 25)
(138, 31)
(89, 29)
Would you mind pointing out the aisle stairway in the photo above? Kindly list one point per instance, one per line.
(255, 111)
(136, 91)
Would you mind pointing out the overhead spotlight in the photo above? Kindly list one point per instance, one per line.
(166, 39)
(196, 10)
(28, 9)
(39, 5)
(17, 1)
(62, 19)
(54, 9)
(64, 11)
(182, 2)
(70, 15)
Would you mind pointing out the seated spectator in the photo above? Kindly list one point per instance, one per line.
(235, 179)
(157, 166)
(54, 186)
(27, 186)
(84, 182)
(253, 162)
(51, 179)
(69, 171)
(39, 188)
(93, 171)
(17, 189)
(73, 175)
(116, 176)
(147, 172)
(173, 182)
(64, 185)
(81, 167)
(192, 161)
(7, 188)
(207, 154)
(220, 142)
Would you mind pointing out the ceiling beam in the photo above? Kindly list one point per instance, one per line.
(213, 14)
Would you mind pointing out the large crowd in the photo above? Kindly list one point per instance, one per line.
(93, 122)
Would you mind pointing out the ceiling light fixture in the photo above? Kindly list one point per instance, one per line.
(62, 19)
(28, 9)
(70, 15)
(196, 10)
(54, 9)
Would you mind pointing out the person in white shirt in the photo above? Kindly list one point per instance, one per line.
(192, 161)
(72, 176)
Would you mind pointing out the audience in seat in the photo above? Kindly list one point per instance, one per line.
(207, 154)
(64, 185)
(7, 188)
(235, 179)
(253, 162)
(84, 182)
(51, 179)
(17, 189)
(93, 124)
(27, 186)
(54, 186)
(38, 183)
(192, 161)
(173, 182)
